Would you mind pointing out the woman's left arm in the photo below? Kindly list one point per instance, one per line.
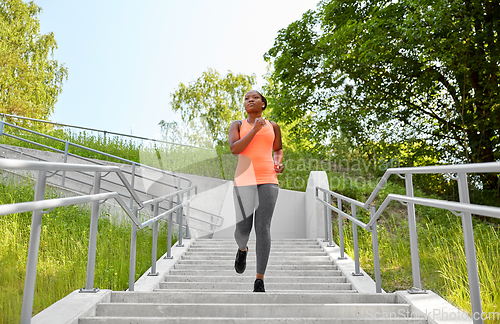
(278, 149)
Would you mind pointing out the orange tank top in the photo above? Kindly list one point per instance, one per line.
(255, 163)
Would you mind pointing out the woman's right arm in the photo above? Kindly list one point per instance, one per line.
(236, 144)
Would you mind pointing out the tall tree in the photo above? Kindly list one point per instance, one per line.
(30, 79)
(420, 69)
(214, 99)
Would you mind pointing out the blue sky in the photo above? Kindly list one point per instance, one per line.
(126, 57)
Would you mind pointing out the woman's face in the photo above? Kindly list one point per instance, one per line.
(253, 102)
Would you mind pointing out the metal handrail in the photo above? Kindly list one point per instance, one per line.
(487, 167)
(103, 131)
(52, 166)
(2, 132)
(452, 206)
(66, 153)
(39, 204)
(165, 197)
(96, 162)
(169, 211)
(61, 202)
(464, 209)
(217, 224)
(64, 177)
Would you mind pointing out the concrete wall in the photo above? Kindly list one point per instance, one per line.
(296, 215)
(288, 219)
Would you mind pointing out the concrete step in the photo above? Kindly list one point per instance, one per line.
(273, 255)
(252, 241)
(251, 267)
(245, 297)
(224, 320)
(233, 249)
(302, 286)
(247, 278)
(249, 289)
(272, 261)
(232, 252)
(252, 310)
(242, 286)
(269, 272)
(274, 245)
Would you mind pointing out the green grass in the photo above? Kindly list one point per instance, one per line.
(62, 260)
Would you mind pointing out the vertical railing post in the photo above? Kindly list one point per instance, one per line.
(179, 222)
(341, 231)
(94, 218)
(357, 271)
(329, 222)
(169, 231)
(133, 245)
(66, 150)
(376, 258)
(412, 226)
(132, 182)
(470, 251)
(133, 236)
(2, 123)
(188, 232)
(325, 212)
(153, 271)
(179, 214)
(36, 227)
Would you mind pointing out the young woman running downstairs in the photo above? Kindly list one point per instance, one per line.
(255, 182)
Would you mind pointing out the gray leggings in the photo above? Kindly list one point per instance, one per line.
(262, 199)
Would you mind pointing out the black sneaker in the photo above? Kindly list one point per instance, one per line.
(258, 286)
(240, 263)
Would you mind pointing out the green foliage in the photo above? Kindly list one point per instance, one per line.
(394, 71)
(213, 99)
(62, 260)
(30, 79)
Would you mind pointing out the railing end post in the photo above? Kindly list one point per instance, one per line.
(85, 290)
(415, 290)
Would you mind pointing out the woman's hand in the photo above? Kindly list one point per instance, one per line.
(259, 123)
(279, 168)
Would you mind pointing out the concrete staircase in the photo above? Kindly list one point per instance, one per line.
(302, 285)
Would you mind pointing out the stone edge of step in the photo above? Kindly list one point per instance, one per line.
(148, 282)
(115, 319)
(363, 284)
